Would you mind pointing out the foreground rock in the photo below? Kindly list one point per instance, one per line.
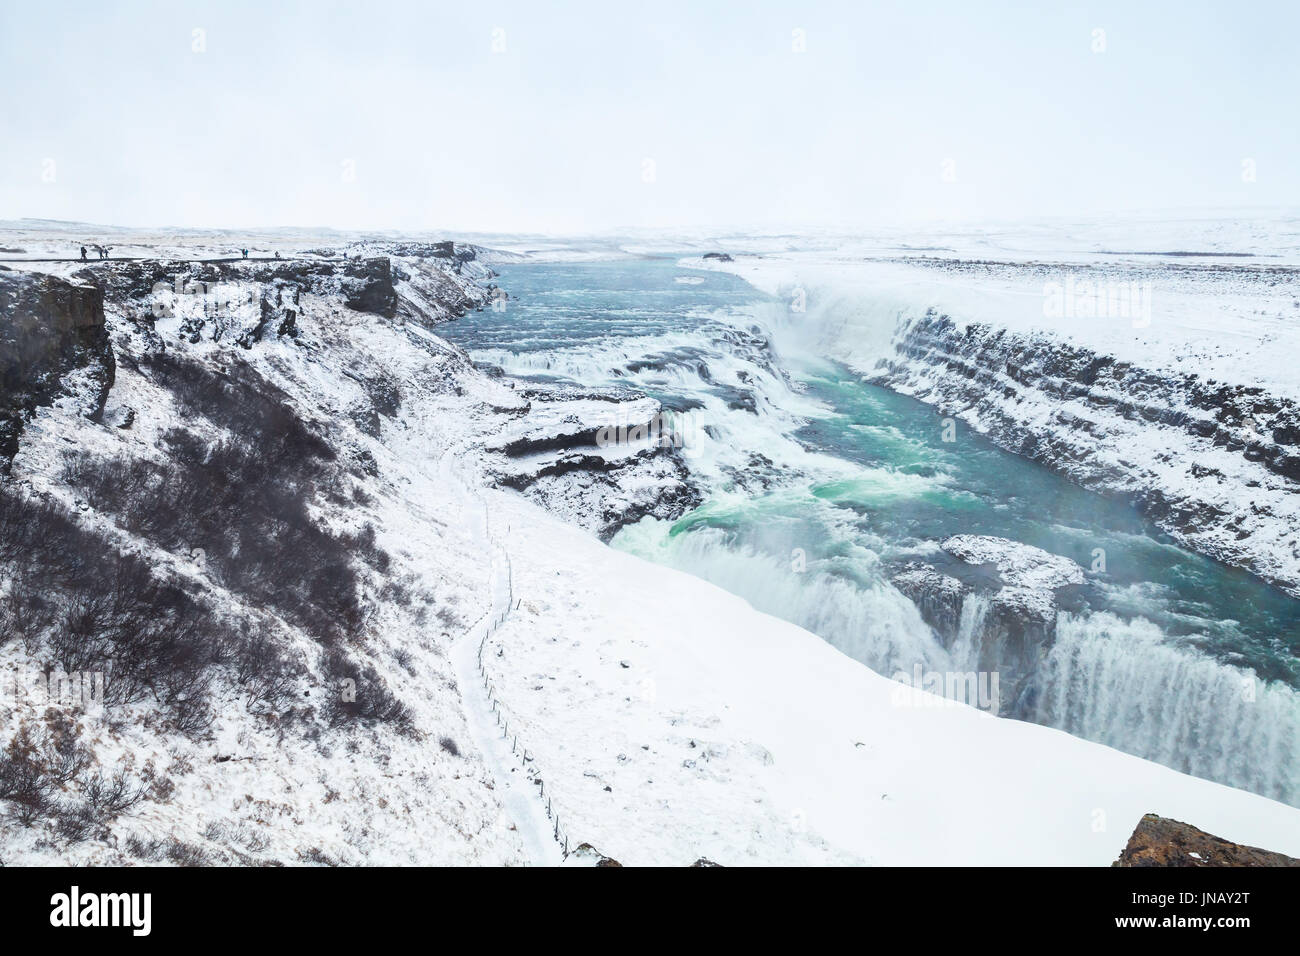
(588, 855)
(1158, 841)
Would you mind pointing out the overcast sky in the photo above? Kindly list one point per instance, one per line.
(580, 117)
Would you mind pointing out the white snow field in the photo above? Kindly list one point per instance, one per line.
(673, 721)
(1221, 325)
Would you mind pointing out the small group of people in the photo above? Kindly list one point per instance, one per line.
(101, 252)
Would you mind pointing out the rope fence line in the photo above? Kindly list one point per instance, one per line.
(526, 759)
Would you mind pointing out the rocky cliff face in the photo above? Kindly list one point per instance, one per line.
(54, 326)
(244, 530)
(599, 459)
(1217, 466)
(50, 328)
(993, 604)
(1159, 841)
(242, 302)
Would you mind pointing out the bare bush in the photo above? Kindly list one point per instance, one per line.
(246, 506)
(98, 610)
(38, 763)
(359, 694)
(104, 798)
(269, 677)
(240, 399)
(186, 854)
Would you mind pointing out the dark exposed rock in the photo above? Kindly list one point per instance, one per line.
(553, 391)
(564, 440)
(454, 252)
(592, 487)
(368, 284)
(559, 466)
(720, 256)
(601, 458)
(1158, 841)
(936, 595)
(48, 327)
(1020, 588)
(587, 854)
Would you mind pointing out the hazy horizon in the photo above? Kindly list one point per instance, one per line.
(507, 118)
(916, 229)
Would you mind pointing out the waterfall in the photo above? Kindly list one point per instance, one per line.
(965, 650)
(1120, 683)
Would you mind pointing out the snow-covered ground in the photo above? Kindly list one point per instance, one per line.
(1232, 321)
(673, 721)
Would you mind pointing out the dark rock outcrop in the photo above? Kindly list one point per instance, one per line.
(588, 855)
(48, 328)
(937, 596)
(592, 489)
(999, 598)
(455, 253)
(600, 458)
(1159, 841)
(368, 284)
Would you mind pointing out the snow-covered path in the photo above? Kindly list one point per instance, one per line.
(518, 793)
